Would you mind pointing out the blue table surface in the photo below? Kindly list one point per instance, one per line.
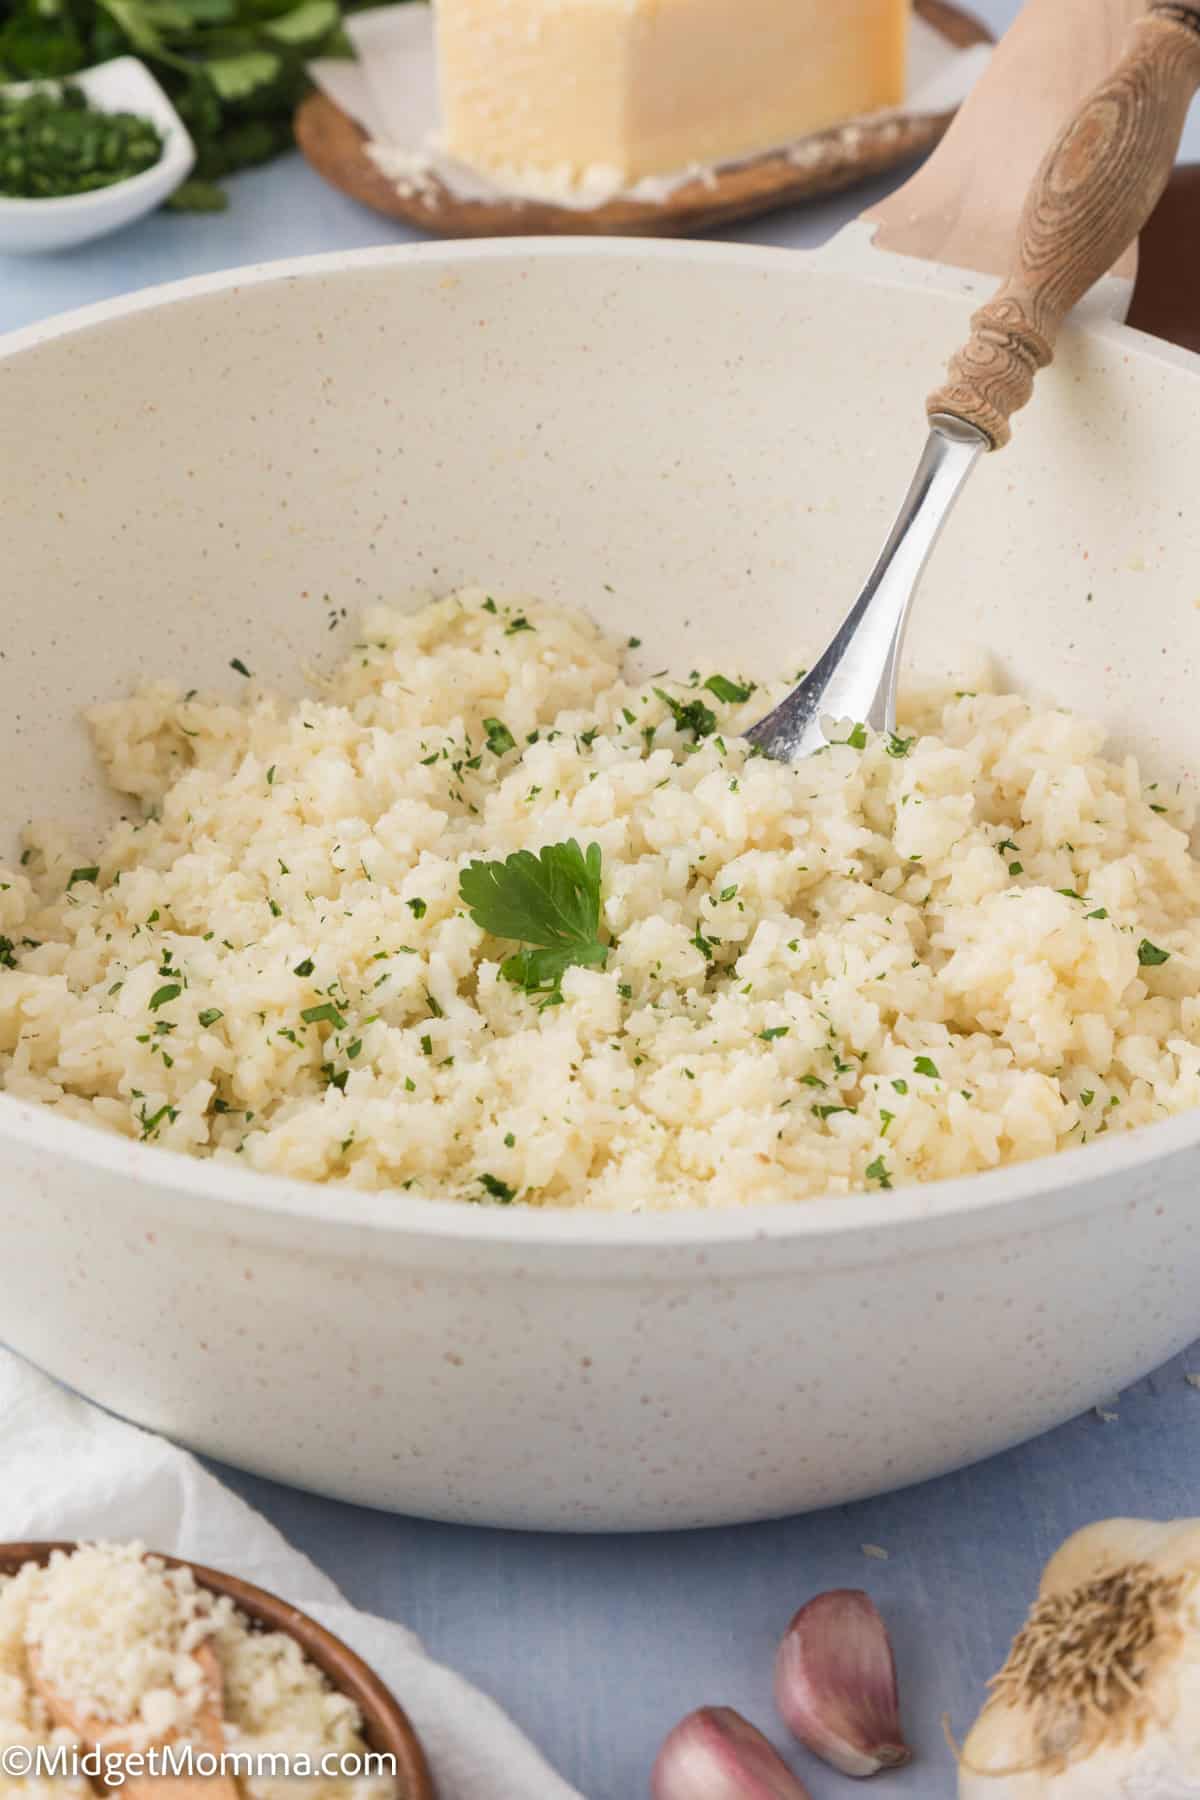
(597, 1646)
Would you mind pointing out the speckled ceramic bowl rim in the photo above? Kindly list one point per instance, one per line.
(386, 1726)
(1063, 1179)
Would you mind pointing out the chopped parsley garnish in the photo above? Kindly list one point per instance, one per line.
(151, 1124)
(898, 746)
(695, 716)
(1087, 1096)
(878, 1171)
(304, 968)
(550, 903)
(83, 875)
(705, 945)
(520, 623)
(500, 739)
(271, 776)
(7, 959)
(634, 644)
(1069, 893)
(727, 894)
(1101, 912)
(417, 908)
(210, 1015)
(900, 1086)
(353, 1049)
(1149, 955)
(426, 1045)
(1016, 868)
(774, 1031)
(237, 663)
(857, 739)
(489, 605)
(499, 1190)
(325, 1014)
(164, 995)
(509, 1140)
(925, 1065)
(732, 692)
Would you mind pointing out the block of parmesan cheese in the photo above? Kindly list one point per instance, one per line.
(559, 94)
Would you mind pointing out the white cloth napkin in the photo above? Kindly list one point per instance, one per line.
(72, 1471)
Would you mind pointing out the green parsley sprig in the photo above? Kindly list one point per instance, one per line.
(548, 903)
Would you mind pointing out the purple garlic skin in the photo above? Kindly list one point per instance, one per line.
(835, 1684)
(715, 1754)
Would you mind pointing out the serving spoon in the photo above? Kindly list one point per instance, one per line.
(1093, 193)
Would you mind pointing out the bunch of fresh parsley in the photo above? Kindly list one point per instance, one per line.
(234, 68)
(548, 903)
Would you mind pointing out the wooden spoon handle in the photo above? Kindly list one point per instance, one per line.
(1092, 195)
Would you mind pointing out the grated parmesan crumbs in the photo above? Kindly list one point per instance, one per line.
(114, 1632)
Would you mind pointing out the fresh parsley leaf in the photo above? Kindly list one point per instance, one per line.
(925, 1065)
(210, 1015)
(7, 958)
(1149, 955)
(237, 664)
(499, 738)
(327, 1014)
(1101, 912)
(550, 903)
(89, 874)
(878, 1171)
(695, 716)
(732, 692)
(304, 968)
(520, 623)
(417, 908)
(499, 1190)
(898, 746)
(774, 1031)
(164, 995)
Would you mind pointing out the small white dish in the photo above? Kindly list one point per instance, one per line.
(123, 85)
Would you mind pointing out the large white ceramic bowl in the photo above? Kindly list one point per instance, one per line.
(701, 445)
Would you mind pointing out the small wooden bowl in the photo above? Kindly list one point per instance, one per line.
(385, 1724)
(336, 147)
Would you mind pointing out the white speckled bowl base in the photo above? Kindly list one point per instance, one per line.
(703, 445)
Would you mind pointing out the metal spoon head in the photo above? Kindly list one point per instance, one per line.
(856, 677)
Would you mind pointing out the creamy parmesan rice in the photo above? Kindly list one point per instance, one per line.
(114, 1633)
(902, 960)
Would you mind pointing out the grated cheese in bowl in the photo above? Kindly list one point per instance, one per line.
(114, 1632)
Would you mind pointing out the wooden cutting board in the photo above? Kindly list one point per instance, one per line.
(336, 148)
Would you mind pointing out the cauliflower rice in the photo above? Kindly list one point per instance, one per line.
(902, 960)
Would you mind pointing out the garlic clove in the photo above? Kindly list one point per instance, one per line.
(715, 1754)
(835, 1684)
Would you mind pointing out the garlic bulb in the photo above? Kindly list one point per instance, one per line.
(1100, 1696)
